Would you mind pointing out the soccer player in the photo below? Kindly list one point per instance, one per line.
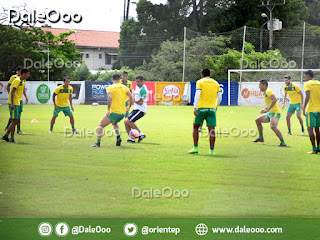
(12, 78)
(139, 109)
(15, 94)
(63, 93)
(270, 114)
(117, 94)
(311, 110)
(206, 101)
(128, 84)
(296, 101)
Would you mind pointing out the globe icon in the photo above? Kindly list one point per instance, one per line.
(201, 229)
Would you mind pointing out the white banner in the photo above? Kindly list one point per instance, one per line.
(250, 94)
(41, 92)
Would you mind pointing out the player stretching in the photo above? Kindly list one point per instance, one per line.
(139, 109)
(12, 78)
(206, 101)
(311, 109)
(296, 101)
(270, 114)
(128, 84)
(15, 94)
(117, 94)
(63, 93)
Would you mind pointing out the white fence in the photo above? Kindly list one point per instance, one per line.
(41, 92)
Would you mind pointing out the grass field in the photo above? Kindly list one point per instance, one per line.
(49, 175)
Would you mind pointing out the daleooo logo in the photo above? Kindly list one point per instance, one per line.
(52, 16)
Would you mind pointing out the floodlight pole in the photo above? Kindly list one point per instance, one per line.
(184, 53)
(270, 6)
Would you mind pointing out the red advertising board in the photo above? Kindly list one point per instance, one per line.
(151, 86)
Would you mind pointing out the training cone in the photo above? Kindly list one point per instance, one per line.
(34, 121)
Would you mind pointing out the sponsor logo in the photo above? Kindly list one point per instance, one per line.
(246, 93)
(1, 87)
(43, 93)
(171, 91)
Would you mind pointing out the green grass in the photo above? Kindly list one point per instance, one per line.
(48, 175)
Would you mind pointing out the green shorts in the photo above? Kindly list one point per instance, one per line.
(269, 115)
(66, 111)
(21, 106)
(116, 117)
(14, 114)
(313, 119)
(208, 114)
(294, 107)
(127, 104)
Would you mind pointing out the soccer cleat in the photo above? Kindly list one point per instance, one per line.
(5, 138)
(118, 141)
(289, 133)
(131, 141)
(312, 152)
(12, 141)
(193, 150)
(282, 145)
(141, 138)
(258, 140)
(96, 145)
(211, 152)
(303, 133)
(75, 130)
(50, 131)
(22, 133)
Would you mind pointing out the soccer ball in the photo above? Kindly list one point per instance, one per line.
(134, 133)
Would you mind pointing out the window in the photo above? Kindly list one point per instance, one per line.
(108, 59)
(100, 56)
(87, 55)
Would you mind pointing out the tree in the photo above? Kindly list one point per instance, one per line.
(28, 47)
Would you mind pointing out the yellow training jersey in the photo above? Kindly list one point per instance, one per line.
(13, 77)
(268, 101)
(63, 95)
(293, 91)
(24, 85)
(119, 95)
(209, 91)
(128, 85)
(314, 102)
(18, 85)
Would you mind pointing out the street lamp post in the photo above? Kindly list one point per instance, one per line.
(261, 30)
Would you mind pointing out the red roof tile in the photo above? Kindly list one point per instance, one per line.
(89, 38)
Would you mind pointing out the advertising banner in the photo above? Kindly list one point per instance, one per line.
(151, 86)
(224, 90)
(250, 94)
(96, 92)
(169, 93)
(40, 92)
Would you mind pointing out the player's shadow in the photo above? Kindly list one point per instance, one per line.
(218, 156)
(149, 143)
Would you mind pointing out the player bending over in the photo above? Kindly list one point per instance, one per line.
(63, 93)
(206, 101)
(14, 101)
(311, 110)
(139, 109)
(117, 95)
(296, 101)
(270, 114)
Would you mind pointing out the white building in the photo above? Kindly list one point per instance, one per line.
(98, 48)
